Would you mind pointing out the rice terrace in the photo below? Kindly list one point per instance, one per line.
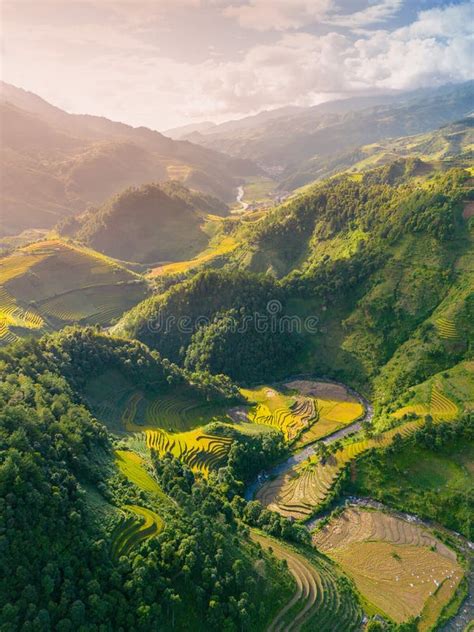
(237, 316)
(419, 573)
(46, 285)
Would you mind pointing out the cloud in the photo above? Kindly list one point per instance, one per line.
(435, 49)
(374, 14)
(282, 15)
(278, 15)
(299, 68)
(111, 69)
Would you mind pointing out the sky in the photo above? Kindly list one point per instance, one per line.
(165, 63)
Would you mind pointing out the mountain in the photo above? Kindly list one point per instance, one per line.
(247, 123)
(162, 494)
(449, 145)
(378, 258)
(55, 164)
(146, 224)
(177, 133)
(283, 143)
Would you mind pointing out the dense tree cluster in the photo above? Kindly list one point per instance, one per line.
(220, 321)
(234, 343)
(56, 467)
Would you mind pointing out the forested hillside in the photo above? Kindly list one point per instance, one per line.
(146, 224)
(63, 489)
(381, 261)
(220, 419)
(217, 309)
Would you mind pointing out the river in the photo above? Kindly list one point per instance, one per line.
(240, 200)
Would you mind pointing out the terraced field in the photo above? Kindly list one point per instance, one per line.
(304, 410)
(134, 468)
(132, 531)
(440, 406)
(289, 413)
(13, 317)
(223, 246)
(319, 601)
(332, 415)
(298, 492)
(178, 412)
(447, 329)
(399, 568)
(178, 171)
(48, 284)
(201, 452)
(173, 412)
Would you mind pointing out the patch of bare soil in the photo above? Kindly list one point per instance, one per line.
(468, 210)
(321, 390)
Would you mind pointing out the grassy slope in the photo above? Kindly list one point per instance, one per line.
(430, 483)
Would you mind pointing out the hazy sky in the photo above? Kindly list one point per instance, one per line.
(162, 63)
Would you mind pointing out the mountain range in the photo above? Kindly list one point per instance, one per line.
(289, 142)
(203, 405)
(55, 164)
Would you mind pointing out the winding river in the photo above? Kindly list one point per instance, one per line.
(240, 200)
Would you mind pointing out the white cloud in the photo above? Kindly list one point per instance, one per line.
(374, 14)
(110, 69)
(435, 49)
(281, 15)
(299, 67)
(278, 15)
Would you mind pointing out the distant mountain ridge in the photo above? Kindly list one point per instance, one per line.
(55, 164)
(284, 143)
(448, 145)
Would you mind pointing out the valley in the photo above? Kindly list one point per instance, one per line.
(237, 397)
